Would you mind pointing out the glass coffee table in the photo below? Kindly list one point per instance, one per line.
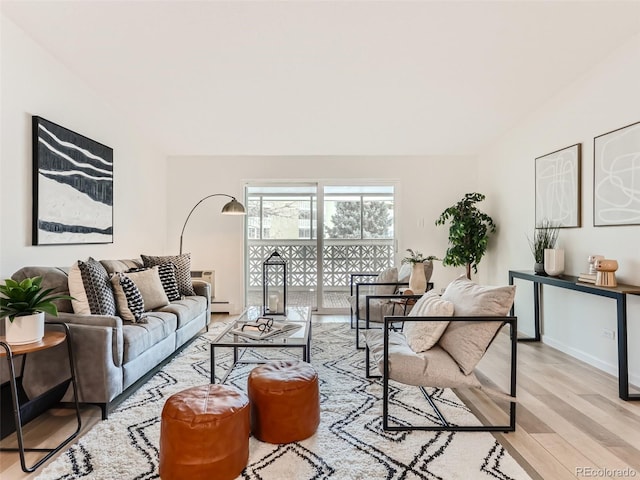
(253, 331)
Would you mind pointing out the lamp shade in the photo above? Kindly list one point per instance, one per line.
(233, 207)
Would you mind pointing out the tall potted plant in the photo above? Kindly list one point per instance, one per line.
(469, 231)
(24, 305)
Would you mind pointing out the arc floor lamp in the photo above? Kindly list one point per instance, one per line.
(233, 207)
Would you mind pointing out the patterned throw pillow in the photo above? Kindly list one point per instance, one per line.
(167, 273)
(93, 285)
(129, 302)
(183, 269)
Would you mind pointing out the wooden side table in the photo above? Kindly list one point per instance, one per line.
(50, 339)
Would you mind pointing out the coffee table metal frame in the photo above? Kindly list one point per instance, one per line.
(240, 344)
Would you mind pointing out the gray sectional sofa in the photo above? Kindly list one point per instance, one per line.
(112, 356)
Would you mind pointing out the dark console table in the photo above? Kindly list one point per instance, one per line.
(619, 294)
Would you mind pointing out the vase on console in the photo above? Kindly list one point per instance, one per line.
(554, 261)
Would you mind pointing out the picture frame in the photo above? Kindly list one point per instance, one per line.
(616, 177)
(72, 187)
(558, 187)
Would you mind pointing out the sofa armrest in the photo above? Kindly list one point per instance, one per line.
(202, 288)
(110, 321)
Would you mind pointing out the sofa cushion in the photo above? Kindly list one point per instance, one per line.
(167, 273)
(150, 286)
(423, 335)
(89, 284)
(139, 337)
(54, 278)
(467, 342)
(183, 269)
(117, 266)
(129, 301)
(186, 309)
(433, 368)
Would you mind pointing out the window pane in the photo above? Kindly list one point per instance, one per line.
(283, 218)
(253, 218)
(342, 216)
(377, 219)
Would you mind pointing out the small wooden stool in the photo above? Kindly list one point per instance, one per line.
(204, 434)
(285, 401)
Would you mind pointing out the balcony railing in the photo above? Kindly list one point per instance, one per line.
(340, 258)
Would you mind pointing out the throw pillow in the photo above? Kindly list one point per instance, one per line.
(182, 273)
(150, 286)
(129, 301)
(466, 342)
(167, 278)
(387, 276)
(89, 284)
(421, 336)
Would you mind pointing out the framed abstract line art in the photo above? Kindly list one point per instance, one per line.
(558, 187)
(72, 187)
(616, 177)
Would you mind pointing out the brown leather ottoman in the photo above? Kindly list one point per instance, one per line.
(204, 434)
(285, 401)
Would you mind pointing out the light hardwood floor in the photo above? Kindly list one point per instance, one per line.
(570, 422)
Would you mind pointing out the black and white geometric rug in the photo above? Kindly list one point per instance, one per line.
(349, 444)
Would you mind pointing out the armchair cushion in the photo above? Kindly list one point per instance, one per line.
(433, 368)
(378, 308)
(467, 342)
(387, 276)
(421, 336)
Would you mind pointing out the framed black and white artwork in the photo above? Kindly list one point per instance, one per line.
(72, 187)
(558, 187)
(616, 177)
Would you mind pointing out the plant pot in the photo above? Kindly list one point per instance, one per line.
(25, 329)
(538, 268)
(554, 261)
(418, 279)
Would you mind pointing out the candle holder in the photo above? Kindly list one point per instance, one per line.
(274, 285)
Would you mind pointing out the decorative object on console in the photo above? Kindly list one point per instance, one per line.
(419, 267)
(558, 187)
(274, 285)
(469, 231)
(545, 236)
(72, 187)
(590, 276)
(233, 207)
(606, 276)
(554, 261)
(23, 305)
(616, 177)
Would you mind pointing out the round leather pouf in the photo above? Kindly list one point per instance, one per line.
(204, 434)
(285, 401)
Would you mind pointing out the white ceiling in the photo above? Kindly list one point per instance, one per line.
(320, 77)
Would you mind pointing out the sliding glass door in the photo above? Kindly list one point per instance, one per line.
(357, 234)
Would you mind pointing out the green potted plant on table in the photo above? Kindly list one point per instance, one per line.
(469, 231)
(545, 236)
(421, 270)
(24, 305)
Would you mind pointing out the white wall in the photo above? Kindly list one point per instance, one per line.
(34, 83)
(604, 99)
(427, 185)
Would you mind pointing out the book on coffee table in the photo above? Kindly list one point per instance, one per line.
(260, 329)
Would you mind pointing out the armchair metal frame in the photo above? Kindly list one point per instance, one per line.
(389, 323)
